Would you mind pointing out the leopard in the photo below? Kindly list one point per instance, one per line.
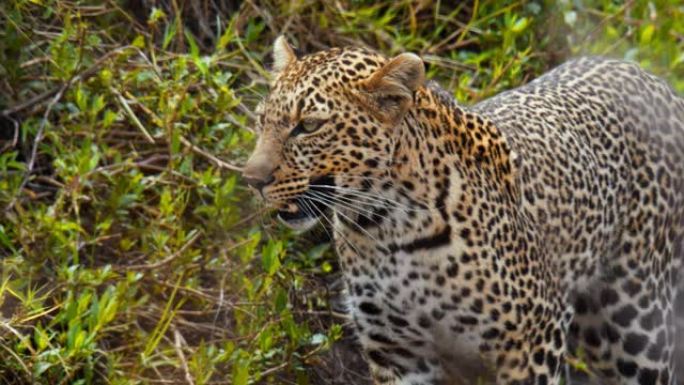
(506, 242)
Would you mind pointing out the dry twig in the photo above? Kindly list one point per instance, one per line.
(178, 342)
(60, 89)
(151, 266)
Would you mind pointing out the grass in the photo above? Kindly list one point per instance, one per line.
(132, 253)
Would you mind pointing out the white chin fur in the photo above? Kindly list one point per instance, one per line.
(299, 224)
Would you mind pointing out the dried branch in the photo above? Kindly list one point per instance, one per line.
(209, 156)
(36, 143)
(151, 266)
(38, 99)
(178, 342)
(131, 114)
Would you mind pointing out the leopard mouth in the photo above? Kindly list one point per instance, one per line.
(305, 210)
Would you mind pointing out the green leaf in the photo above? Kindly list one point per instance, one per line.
(248, 246)
(73, 336)
(240, 373)
(679, 59)
(166, 202)
(266, 339)
(108, 118)
(281, 301)
(97, 105)
(520, 25)
(40, 338)
(139, 41)
(81, 99)
(254, 29)
(5, 240)
(194, 49)
(156, 15)
(318, 339)
(175, 140)
(169, 34)
(94, 313)
(647, 34)
(40, 367)
(270, 256)
(570, 17)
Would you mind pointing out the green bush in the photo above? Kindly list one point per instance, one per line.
(131, 252)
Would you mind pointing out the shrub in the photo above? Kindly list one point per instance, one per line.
(131, 250)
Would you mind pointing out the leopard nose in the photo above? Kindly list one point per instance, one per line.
(260, 167)
(257, 182)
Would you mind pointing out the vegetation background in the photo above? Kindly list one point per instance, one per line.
(130, 250)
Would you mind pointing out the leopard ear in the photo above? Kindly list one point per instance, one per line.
(283, 54)
(390, 89)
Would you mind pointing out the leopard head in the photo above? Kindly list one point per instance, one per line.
(328, 125)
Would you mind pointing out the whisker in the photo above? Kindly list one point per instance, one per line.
(363, 177)
(370, 196)
(335, 200)
(355, 205)
(357, 225)
(373, 201)
(311, 207)
(356, 192)
(341, 235)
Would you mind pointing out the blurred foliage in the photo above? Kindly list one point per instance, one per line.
(131, 252)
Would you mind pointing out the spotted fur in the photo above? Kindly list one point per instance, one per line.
(487, 243)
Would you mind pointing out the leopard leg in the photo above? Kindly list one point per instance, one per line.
(388, 368)
(537, 359)
(679, 328)
(624, 323)
(392, 361)
(382, 375)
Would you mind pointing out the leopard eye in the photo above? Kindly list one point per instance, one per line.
(306, 126)
(311, 125)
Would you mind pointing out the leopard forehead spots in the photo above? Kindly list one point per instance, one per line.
(488, 243)
(321, 79)
(313, 126)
